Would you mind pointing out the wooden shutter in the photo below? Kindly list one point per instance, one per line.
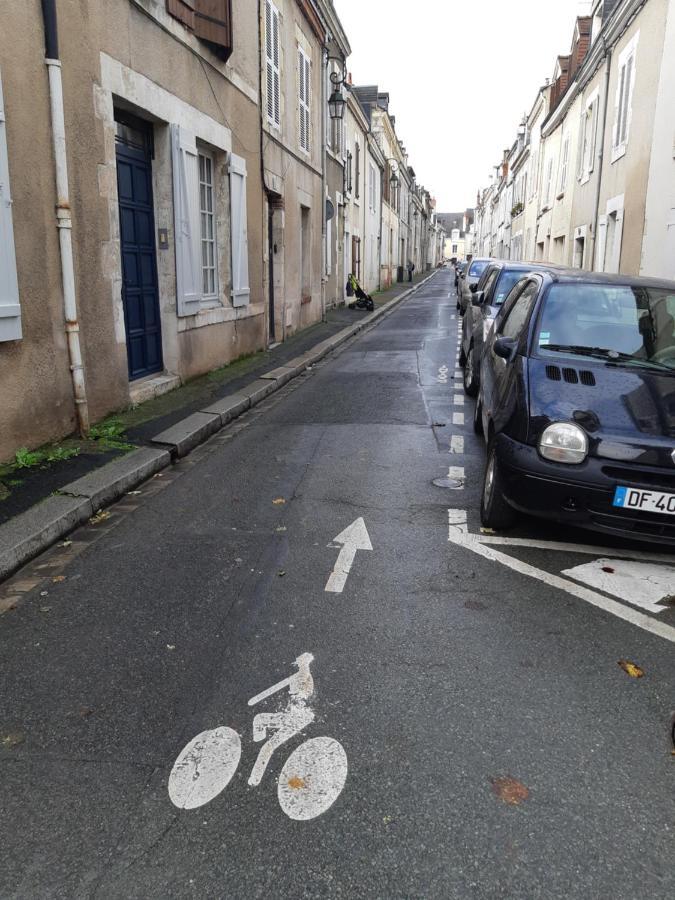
(357, 172)
(213, 23)
(183, 10)
(627, 96)
(272, 63)
(305, 91)
(241, 291)
(10, 311)
(187, 232)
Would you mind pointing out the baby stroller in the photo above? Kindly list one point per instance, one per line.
(363, 300)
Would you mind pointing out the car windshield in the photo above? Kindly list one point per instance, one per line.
(504, 285)
(477, 268)
(620, 324)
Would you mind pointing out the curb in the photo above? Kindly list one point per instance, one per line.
(31, 533)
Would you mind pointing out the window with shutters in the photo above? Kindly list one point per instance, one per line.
(10, 311)
(357, 170)
(304, 98)
(623, 112)
(210, 20)
(587, 137)
(564, 164)
(209, 255)
(273, 64)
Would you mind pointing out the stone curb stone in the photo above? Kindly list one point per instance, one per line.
(229, 407)
(188, 433)
(282, 375)
(27, 535)
(259, 389)
(106, 484)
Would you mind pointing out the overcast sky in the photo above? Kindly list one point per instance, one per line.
(460, 74)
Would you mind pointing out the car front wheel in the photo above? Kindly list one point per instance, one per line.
(470, 379)
(495, 512)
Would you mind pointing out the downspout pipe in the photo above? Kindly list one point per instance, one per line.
(601, 158)
(324, 179)
(64, 220)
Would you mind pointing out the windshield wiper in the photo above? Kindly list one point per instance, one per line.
(607, 354)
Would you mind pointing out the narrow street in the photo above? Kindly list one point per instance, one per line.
(495, 748)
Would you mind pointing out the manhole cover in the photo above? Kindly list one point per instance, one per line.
(453, 484)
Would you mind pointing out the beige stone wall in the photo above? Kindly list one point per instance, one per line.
(36, 396)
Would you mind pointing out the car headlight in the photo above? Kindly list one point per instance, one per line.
(564, 443)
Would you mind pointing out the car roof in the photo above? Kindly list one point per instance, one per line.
(520, 265)
(581, 276)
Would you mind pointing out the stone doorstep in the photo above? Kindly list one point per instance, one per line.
(151, 387)
(27, 535)
(104, 485)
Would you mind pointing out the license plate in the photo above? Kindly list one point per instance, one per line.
(645, 501)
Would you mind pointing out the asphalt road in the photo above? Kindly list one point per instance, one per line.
(495, 747)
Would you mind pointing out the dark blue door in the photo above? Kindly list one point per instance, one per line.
(140, 294)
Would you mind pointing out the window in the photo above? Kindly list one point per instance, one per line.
(357, 170)
(10, 311)
(372, 189)
(564, 164)
(519, 313)
(587, 133)
(208, 228)
(549, 183)
(534, 168)
(305, 91)
(272, 64)
(624, 99)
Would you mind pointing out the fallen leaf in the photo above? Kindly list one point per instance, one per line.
(170, 646)
(85, 712)
(296, 783)
(631, 669)
(100, 516)
(279, 501)
(281, 574)
(58, 578)
(509, 790)
(609, 570)
(488, 531)
(12, 739)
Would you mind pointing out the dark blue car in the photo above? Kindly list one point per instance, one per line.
(577, 404)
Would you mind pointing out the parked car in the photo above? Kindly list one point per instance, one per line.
(577, 404)
(486, 299)
(459, 268)
(471, 276)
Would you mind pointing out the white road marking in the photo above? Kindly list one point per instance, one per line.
(639, 583)
(587, 550)
(458, 399)
(204, 768)
(458, 535)
(458, 418)
(457, 444)
(352, 539)
(456, 472)
(312, 778)
(443, 373)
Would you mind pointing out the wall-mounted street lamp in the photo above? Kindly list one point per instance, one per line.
(336, 101)
(394, 179)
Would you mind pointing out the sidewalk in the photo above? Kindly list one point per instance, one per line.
(41, 503)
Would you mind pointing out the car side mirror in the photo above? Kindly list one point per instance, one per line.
(478, 298)
(505, 348)
(473, 288)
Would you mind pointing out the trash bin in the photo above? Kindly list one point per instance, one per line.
(400, 276)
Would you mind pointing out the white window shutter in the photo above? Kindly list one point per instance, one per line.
(187, 232)
(10, 311)
(241, 291)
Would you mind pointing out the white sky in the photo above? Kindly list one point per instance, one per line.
(460, 74)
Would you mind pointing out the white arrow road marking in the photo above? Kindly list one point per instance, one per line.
(352, 539)
(458, 535)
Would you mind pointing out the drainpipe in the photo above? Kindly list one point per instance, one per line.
(324, 163)
(64, 220)
(601, 158)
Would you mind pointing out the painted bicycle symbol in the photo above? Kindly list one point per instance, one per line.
(311, 779)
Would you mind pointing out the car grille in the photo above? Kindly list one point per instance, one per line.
(646, 524)
(641, 478)
(571, 376)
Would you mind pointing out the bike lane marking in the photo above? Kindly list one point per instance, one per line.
(458, 418)
(458, 534)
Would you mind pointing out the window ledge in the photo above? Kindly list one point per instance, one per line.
(560, 196)
(618, 153)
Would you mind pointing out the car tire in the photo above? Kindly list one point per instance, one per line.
(470, 379)
(495, 512)
(478, 419)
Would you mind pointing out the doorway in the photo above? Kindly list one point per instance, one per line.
(140, 289)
